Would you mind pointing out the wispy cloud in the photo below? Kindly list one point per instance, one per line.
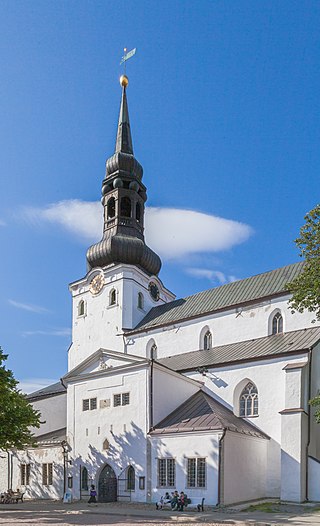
(29, 385)
(51, 332)
(214, 276)
(28, 307)
(172, 232)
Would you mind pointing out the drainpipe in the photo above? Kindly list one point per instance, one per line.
(309, 427)
(220, 466)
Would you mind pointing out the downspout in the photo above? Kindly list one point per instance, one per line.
(309, 426)
(220, 466)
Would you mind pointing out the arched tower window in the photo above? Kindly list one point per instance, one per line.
(138, 212)
(140, 300)
(81, 308)
(84, 478)
(130, 479)
(248, 402)
(277, 323)
(111, 208)
(125, 207)
(112, 297)
(207, 341)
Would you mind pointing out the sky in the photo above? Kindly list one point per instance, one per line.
(224, 110)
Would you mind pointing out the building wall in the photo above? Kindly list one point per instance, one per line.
(244, 468)
(183, 446)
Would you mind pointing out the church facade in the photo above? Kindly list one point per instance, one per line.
(207, 394)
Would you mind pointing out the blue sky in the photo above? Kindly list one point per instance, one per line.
(224, 108)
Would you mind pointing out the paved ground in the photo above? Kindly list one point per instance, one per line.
(48, 513)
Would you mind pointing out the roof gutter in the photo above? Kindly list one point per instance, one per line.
(220, 474)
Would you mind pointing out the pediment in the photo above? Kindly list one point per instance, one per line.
(104, 361)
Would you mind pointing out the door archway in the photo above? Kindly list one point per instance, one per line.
(107, 485)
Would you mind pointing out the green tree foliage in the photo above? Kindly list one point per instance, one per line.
(305, 288)
(16, 413)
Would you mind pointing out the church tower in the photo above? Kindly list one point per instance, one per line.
(122, 282)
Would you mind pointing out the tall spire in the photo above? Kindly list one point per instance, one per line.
(123, 199)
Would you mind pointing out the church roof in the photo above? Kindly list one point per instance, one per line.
(46, 392)
(256, 349)
(230, 295)
(201, 412)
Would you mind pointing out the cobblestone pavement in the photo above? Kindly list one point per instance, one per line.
(48, 513)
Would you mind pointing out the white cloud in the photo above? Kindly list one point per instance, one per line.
(28, 306)
(29, 385)
(213, 276)
(54, 332)
(172, 232)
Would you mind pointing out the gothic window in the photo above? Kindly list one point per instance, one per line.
(130, 479)
(112, 297)
(84, 479)
(81, 308)
(111, 208)
(138, 212)
(277, 323)
(140, 300)
(207, 341)
(249, 401)
(125, 207)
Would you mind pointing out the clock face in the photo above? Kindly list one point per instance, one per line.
(96, 284)
(154, 291)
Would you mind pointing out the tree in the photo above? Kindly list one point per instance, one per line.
(305, 288)
(17, 415)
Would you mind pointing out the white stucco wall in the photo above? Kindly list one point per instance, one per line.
(244, 468)
(183, 446)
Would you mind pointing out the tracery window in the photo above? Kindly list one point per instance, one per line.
(207, 341)
(249, 401)
(130, 479)
(277, 323)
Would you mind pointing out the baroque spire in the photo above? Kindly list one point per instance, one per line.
(123, 198)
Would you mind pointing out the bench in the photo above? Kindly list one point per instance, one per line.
(194, 503)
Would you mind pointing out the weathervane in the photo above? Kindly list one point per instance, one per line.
(126, 57)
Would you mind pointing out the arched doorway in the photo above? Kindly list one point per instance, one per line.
(107, 485)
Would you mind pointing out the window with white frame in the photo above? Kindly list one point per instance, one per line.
(249, 401)
(89, 404)
(166, 472)
(277, 323)
(24, 474)
(196, 472)
(121, 399)
(47, 474)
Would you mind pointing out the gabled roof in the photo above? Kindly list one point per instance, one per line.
(46, 392)
(201, 412)
(230, 295)
(259, 348)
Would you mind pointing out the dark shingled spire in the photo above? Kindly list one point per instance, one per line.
(123, 199)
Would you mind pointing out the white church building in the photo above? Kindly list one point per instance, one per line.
(206, 394)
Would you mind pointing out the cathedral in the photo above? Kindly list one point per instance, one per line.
(206, 394)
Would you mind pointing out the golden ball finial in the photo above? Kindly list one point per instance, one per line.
(124, 81)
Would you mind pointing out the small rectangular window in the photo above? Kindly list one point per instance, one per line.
(116, 400)
(93, 403)
(85, 405)
(125, 398)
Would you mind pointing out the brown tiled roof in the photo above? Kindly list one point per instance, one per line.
(230, 295)
(201, 412)
(259, 348)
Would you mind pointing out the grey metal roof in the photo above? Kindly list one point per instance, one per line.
(259, 348)
(46, 392)
(236, 293)
(201, 412)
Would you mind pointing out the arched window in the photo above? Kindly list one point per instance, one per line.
(140, 300)
(111, 208)
(81, 308)
(249, 401)
(112, 297)
(84, 478)
(138, 212)
(207, 341)
(125, 208)
(130, 479)
(277, 323)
